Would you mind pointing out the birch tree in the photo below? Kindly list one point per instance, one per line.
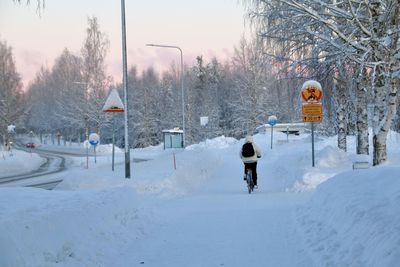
(251, 105)
(70, 100)
(41, 102)
(365, 32)
(12, 104)
(95, 80)
(341, 97)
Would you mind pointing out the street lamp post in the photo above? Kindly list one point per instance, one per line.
(86, 118)
(125, 82)
(182, 90)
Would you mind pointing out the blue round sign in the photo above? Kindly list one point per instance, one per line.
(272, 120)
(94, 139)
(93, 143)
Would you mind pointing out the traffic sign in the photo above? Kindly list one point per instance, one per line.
(94, 139)
(312, 109)
(114, 109)
(272, 120)
(312, 118)
(113, 103)
(311, 91)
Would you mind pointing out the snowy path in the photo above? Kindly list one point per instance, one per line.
(225, 233)
(222, 225)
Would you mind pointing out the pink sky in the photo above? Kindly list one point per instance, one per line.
(206, 27)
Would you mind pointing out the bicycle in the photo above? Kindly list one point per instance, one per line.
(249, 180)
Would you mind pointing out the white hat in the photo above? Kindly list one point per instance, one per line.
(249, 139)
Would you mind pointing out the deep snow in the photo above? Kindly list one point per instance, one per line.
(201, 214)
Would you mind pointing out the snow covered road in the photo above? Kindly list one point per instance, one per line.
(219, 224)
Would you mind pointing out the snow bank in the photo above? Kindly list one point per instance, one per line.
(354, 219)
(41, 228)
(329, 161)
(215, 143)
(194, 166)
(292, 169)
(18, 162)
(107, 149)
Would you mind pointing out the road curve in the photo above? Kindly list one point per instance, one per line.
(53, 164)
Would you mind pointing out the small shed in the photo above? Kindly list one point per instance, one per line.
(173, 138)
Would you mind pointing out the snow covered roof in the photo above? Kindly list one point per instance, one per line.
(174, 131)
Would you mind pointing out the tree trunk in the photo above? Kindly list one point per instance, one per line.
(362, 115)
(381, 109)
(341, 96)
(341, 116)
(380, 136)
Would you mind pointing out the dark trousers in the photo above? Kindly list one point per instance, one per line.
(253, 167)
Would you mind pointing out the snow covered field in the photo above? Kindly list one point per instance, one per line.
(201, 214)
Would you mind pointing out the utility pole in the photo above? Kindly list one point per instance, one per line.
(125, 82)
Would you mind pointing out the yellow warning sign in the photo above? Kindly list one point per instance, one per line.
(312, 109)
(312, 118)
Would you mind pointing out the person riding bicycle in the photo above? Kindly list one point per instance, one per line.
(249, 154)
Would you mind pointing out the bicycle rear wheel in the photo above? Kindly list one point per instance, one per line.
(250, 182)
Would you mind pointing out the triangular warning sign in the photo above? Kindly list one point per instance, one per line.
(113, 102)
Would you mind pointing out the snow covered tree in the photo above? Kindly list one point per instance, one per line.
(362, 90)
(41, 103)
(69, 95)
(94, 77)
(134, 102)
(171, 95)
(341, 97)
(205, 97)
(12, 105)
(365, 32)
(254, 100)
(214, 100)
(148, 114)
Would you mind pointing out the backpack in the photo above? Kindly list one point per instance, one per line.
(248, 150)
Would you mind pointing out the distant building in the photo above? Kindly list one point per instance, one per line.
(173, 138)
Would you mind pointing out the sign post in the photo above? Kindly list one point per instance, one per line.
(311, 92)
(113, 104)
(58, 134)
(272, 120)
(30, 147)
(86, 145)
(94, 141)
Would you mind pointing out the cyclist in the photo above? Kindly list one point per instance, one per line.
(249, 154)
